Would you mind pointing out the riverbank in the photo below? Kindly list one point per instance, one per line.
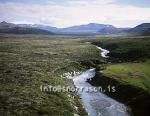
(130, 78)
(135, 98)
(95, 102)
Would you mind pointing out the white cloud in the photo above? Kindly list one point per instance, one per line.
(74, 12)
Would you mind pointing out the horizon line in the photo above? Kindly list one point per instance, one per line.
(72, 25)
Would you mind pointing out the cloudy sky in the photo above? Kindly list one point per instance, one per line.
(63, 13)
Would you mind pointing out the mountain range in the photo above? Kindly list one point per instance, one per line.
(91, 28)
(15, 29)
(142, 29)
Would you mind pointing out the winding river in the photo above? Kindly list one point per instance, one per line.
(104, 52)
(96, 103)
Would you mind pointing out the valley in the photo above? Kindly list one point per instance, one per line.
(75, 58)
(29, 61)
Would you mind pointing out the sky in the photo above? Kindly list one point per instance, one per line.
(64, 13)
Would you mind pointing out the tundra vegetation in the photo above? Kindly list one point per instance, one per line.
(29, 61)
(129, 57)
(128, 69)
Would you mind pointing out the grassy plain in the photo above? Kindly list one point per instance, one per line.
(125, 48)
(131, 56)
(128, 69)
(29, 61)
(137, 74)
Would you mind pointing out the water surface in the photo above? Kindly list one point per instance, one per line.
(96, 103)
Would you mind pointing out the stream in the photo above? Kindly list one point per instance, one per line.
(97, 103)
(104, 52)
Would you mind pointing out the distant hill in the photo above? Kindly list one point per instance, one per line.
(87, 28)
(142, 29)
(15, 29)
(79, 29)
(5, 25)
(112, 30)
(38, 26)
